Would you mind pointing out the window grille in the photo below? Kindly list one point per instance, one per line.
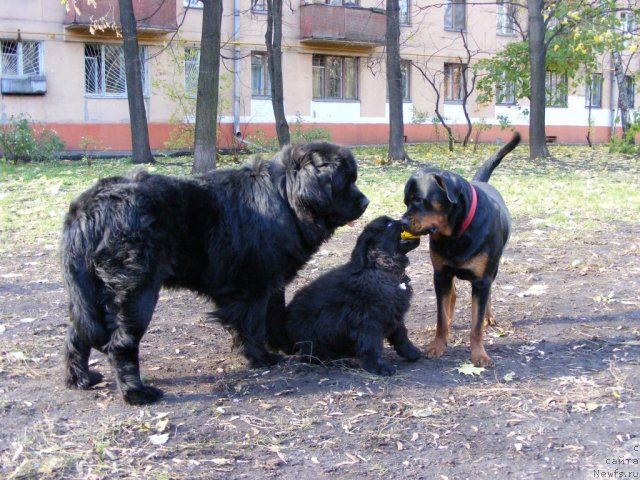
(104, 70)
(21, 58)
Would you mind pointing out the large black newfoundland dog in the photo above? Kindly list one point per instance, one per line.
(235, 236)
(350, 310)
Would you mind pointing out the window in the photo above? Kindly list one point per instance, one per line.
(453, 78)
(259, 5)
(21, 58)
(556, 89)
(455, 15)
(193, 3)
(593, 92)
(627, 22)
(506, 91)
(405, 70)
(335, 77)
(506, 17)
(104, 70)
(630, 89)
(191, 69)
(404, 12)
(260, 79)
(335, 3)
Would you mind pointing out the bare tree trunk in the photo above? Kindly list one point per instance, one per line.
(273, 41)
(624, 101)
(468, 86)
(394, 83)
(204, 152)
(537, 54)
(141, 152)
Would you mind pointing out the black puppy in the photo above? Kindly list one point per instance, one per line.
(469, 226)
(235, 236)
(350, 310)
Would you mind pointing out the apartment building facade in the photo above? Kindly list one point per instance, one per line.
(65, 69)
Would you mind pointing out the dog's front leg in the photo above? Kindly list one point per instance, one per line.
(399, 339)
(480, 295)
(445, 299)
(369, 350)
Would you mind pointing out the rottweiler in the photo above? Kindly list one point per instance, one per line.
(468, 225)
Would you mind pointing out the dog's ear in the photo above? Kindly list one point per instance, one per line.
(450, 184)
(360, 253)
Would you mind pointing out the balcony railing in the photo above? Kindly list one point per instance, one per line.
(153, 16)
(342, 25)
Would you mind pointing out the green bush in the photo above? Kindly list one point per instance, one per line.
(299, 134)
(20, 142)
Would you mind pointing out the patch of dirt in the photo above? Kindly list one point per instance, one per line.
(562, 401)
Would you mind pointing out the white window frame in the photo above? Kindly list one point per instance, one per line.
(191, 69)
(506, 91)
(557, 95)
(322, 78)
(405, 12)
(627, 22)
(405, 70)
(260, 78)
(455, 15)
(259, 6)
(593, 96)
(505, 18)
(20, 63)
(193, 3)
(100, 71)
(453, 93)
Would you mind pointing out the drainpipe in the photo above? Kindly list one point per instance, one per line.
(236, 68)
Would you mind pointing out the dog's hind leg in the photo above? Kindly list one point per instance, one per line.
(276, 325)
(246, 320)
(480, 295)
(489, 319)
(76, 354)
(123, 349)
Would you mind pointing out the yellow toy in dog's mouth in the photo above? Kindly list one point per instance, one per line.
(408, 236)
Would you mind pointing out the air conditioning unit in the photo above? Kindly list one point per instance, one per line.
(24, 85)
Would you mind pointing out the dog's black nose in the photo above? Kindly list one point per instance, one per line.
(364, 203)
(405, 222)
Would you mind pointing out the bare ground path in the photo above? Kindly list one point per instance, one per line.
(562, 401)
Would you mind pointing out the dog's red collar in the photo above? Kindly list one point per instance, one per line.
(472, 211)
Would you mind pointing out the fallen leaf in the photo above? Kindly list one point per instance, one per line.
(508, 377)
(423, 412)
(162, 425)
(533, 291)
(591, 406)
(469, 368)
(159, 439)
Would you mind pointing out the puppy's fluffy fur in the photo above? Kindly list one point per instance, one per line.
(350, 310)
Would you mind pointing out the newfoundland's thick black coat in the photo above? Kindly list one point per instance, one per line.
(235, 236)
(350, 310)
